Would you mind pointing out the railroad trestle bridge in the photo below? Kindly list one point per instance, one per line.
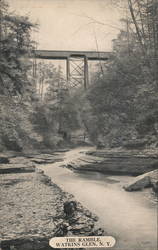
(77, 68)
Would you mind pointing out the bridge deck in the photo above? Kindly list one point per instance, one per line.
(63, 55)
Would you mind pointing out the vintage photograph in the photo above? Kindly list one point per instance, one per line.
(78, 124)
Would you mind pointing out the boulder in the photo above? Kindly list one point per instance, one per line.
(155, 187)
(142, 181)
(4, 160)
(138, 184)
(70, 207)
(153, 176)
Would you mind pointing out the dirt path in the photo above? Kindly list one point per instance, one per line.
(129, 217)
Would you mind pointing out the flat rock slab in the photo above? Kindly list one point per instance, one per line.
(116, 162)
(23, 164)
(122, 152)
(17, 168)
(45, 158)
(19, 160)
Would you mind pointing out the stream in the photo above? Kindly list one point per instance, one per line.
(130, 217)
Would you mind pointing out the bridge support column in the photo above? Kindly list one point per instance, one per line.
(68, 69)
(86, 77)
(34, 70)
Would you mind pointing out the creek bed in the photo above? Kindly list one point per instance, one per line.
(129, 217)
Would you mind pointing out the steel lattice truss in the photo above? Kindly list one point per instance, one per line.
(76, 74)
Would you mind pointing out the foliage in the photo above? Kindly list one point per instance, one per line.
(15, 45)
(16, 91)
(123, 101)
(120, 106)
(55, 115)
(16, 130)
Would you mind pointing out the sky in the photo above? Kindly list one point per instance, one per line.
(69, 24)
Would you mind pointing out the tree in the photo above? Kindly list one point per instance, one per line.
(123, 101)
(16, 91)
(15, 46)
(55, 115)
(144, 14)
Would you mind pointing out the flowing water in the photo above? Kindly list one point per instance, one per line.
(130, 217)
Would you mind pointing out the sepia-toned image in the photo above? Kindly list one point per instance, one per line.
(78, 124)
